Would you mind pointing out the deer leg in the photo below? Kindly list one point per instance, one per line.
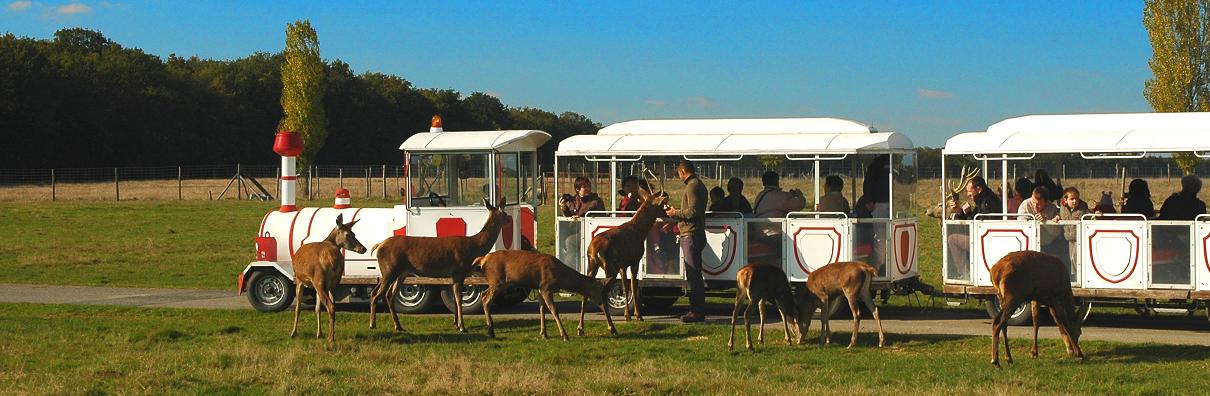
(805, 312)
(385, 285)
(298, 288)
(542, 316)
(833, 304)
(330, 305)
(1033, 310)
(747, 323)
(549, 299)
(636, 291)
(318, 305)
(1006, 310)
(734, 313)
(1066, 322)
(487, 310)
(760, 332)
(457, 288)
(390, 300)
(852, 299)
(626, 294)
(592, 273)
(869, 302)
(785, 321)
(608, 318)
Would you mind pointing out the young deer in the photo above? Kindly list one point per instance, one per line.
(620, 248)
(1034, 277)
(438, 257)
(824, 288)
(320, 265)
(539, 271)
(760, 283)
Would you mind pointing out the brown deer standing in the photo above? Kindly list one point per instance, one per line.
(760, 283)
(824, 288)
(620, 248)
(539, 271)
(1034, 277)
(320, 265)
(437, 257)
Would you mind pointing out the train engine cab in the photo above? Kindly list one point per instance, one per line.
(447, 175)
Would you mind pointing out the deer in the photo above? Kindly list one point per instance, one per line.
(543, 272)
(824, 288)
(320, 265)
(620, 248)
(1034, 277)
(439, 257)
(758, 284)
(953, 192)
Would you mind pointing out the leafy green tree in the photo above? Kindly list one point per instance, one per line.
(1180, 60)
(302, 76)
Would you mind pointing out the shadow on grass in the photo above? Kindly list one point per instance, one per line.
(1152, 353)
(395, 337)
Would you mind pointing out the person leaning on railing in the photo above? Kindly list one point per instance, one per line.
(1184, 205)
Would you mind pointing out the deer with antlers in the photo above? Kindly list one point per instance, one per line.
(953, 193)
(620, 248)
(1034, 277)
(824, 288)
(758, 284)
(539, 271)
(437, 257)
(320, 265)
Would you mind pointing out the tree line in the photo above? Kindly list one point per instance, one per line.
(80, 99)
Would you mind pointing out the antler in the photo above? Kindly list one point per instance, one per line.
(648, 173)
(967, 176)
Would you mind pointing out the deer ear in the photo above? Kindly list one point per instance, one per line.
(350, 225)
(340, 219)
(488, 204)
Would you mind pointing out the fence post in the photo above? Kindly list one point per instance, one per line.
(369, 186)
(340, 177)
(52, 184)
(239, 185)
(179, 194)
(117, 192)
(384, 182)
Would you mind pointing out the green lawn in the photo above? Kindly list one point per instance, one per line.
(97, 350)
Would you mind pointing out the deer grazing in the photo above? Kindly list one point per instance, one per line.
(760, 283)
(438, 257)
(505, 268)
(320, 265)
(824, 287)
(1034, 277)
(620, 248)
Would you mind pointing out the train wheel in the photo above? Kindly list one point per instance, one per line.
(617, 301)
(270, 291)
(472, 299)
(411, 299)
(1020, 317)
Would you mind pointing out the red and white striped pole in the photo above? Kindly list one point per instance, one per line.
(289, 146)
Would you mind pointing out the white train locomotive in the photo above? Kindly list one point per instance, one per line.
(448, 174)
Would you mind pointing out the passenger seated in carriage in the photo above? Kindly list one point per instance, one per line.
(718, 201)
(877, 185)
(832, 199)
(983, 200)
(735, 191)
(583, 202)
(1041, 178)
(1184, 205)
(1071, 208)
(630, 194)
(773, 202)
(1021, 191)
(1138, 199)
(1039, 206)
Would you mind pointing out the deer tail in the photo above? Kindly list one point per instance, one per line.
(478, 261)
(375, 247)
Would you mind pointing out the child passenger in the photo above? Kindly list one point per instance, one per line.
(1071, 207)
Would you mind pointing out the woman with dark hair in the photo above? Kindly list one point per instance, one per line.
(1021, 191)
(1138, 199)
(1041, 178)
(735, 194)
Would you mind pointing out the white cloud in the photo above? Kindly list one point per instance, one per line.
(933, 94)
(655, 102)
(700, 101)
(20, 5)
(72, 8)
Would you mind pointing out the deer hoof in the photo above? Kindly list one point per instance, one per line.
(996, 363)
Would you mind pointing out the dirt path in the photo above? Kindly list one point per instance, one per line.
(1165, 329)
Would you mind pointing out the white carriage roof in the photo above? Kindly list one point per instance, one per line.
(525, 140)
(735, 137)
(1089, 133)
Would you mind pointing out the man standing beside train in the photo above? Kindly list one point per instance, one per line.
(692, 228)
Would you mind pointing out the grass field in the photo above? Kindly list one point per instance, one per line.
(100, 350)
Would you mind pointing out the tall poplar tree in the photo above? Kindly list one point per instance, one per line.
(1180, 61)
(302, 75)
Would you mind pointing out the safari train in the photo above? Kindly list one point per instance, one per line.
(1154, 265)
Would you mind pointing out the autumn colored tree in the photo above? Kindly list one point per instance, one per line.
(1180, 61)
(302, 76)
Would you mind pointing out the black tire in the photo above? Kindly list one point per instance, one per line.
(413, 299)
(511, 297)
(617, 301)
(270, 291)
(472, 299)
(1020, 317)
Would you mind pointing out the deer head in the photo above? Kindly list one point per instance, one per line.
(343, 235)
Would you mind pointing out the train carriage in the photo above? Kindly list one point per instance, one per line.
(448, 174)
(804, 151)
(1116, 259)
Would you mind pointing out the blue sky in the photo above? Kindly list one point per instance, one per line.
(928, 69)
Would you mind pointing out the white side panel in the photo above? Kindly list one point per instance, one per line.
(903, 249)
(422, 221)
(815, 243)
(725, 248)
(293, 229)
(1113, 255)
(992, 239)
(1201, 260)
